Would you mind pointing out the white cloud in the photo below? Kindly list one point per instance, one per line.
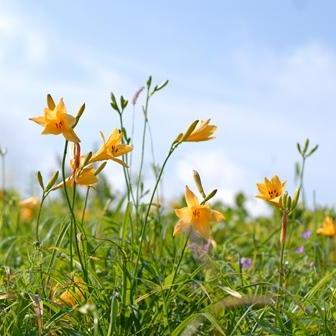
(271, 100)
(216, 170)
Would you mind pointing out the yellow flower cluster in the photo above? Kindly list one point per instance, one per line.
(56, 120)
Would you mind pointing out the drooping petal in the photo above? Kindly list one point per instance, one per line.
(70, 135)
(180, 226)
(124, 164)
(191, 198)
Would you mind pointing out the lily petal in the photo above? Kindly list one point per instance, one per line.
(191, 198)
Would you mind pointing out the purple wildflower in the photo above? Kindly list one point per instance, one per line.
(245, 262)
(300, 250)
(306, 234)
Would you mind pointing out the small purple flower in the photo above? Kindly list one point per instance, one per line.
(245, 262)
(306, 234)
(300, 250)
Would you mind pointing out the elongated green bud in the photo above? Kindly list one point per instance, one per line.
(299, 148)
(100, 168)
(79, 114)
(87, 159)
(52, 181)
(212, 194)
(296, 197)
(40, 180)
(159, 86)
(149, 82)
(283, 200)
(289, 203)
(306, 145)
(123, 102)
(114, 104)
(198, 183)
(313, 150)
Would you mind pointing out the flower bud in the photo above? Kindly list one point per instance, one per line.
(52, 181)
(100, 168)
(40, 180)
(79, 114)
(296, 197)
(198, 183)
(212, 194)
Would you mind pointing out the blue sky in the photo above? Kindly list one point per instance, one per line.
(263, 71)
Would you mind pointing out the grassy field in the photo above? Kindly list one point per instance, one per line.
(83, 260)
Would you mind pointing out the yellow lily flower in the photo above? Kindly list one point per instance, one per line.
(196, 216)
(83, 177)
(271, 190)
(112, 148)
(58, 121)
(202, 132)
(328, 227)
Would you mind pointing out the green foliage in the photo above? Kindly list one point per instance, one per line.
(211, 294)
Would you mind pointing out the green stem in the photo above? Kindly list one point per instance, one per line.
(72, 215)
(3, 163)
(178, 265)
(37, 243)
(142, 149)
(143, 231)
(282, 253)
(39, 218)
(85, 204)
(84, 245)
(301, 181)
(126, 172)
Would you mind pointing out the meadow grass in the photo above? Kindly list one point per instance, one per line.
(90, 261)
